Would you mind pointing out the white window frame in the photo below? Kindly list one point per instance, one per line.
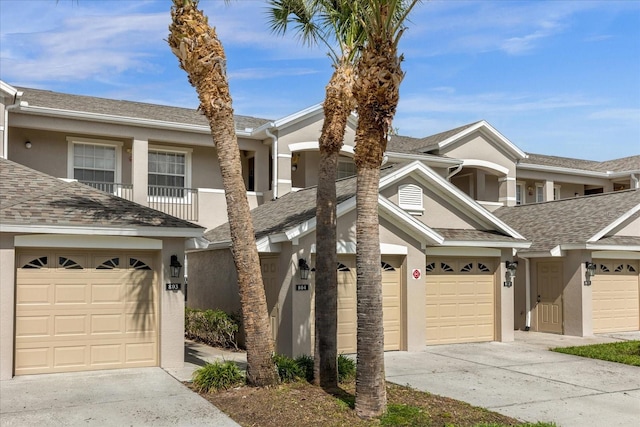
(411, 191)
(73, 140)
(539, 192)
(556, 192)
(344, 161)
(187, 152)
(523, 193)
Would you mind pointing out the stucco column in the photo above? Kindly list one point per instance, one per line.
(415, 315)
(507, 190)
(548, 190)
(505, 300)
(171, 307)
(140, 170)
(7, 307)
(576, 298)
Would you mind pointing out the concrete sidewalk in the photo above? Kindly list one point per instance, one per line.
(524, 380)
(124, 397)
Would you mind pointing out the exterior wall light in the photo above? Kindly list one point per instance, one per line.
(175, 266)
(303, 268)
(28, 145)
(589, 273)
(510, 275)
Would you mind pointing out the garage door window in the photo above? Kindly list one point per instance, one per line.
(36, 263)
(109, 264)
(138, 265)
(68, 263)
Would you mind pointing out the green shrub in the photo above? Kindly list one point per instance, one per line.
(213, 327)
(288, 369)
(217, 376)
(346, 369)
(305, 363)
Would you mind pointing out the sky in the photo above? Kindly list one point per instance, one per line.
(554, 77)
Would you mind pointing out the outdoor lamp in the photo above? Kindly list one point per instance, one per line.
(175, 266)
(511, 267)
(304, 269)
(591, 271)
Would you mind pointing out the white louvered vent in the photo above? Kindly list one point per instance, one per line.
(410, 198)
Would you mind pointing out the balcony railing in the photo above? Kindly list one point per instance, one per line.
(179, 202)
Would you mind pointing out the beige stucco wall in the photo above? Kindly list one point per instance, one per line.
(630, 229)
(505, 300)
(577, 298)
(477, 146)
(213, 282)
(7, 298)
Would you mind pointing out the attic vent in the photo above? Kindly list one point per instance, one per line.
(410, 198)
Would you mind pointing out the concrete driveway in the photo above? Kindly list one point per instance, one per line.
(126, 397)
(524, 380)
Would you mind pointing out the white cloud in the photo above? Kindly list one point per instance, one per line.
(624, 114)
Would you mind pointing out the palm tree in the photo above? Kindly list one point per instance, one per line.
(326, 21)
(376, 89)
(202, 56)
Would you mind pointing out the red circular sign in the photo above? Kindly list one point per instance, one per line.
(416, 273)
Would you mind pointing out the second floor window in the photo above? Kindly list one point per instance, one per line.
(346, 168)
(95, 164)
(167, 173)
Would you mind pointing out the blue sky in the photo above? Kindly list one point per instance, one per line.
(554, 77)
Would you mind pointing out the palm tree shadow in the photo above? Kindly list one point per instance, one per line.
(344, 396)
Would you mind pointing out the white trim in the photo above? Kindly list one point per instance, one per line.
(504, 199)
(284, 181)
(86, 242)
(315, 146)
(103, 231)
(609, 228)
(483, 164)
(557, 169)
(408, 222)
(429, 159)
(486, 243)
(493, 204)
(343, 247)
(506, 178)
(615, 255)
(285, 155)
(188, 169)
(463, 251)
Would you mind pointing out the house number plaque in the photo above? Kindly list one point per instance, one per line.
(174, 286)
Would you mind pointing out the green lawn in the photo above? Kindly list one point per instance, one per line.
(627, 352)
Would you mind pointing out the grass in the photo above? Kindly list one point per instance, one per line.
(627, 352)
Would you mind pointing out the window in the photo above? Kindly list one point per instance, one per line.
(539, 193)
(346, 168)
(94, 162)
(410, 198)
(520, 198)
(556, 192)
(167, 173)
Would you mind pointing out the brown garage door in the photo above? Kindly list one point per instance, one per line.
(347, 315)
(460, 300)
(79, 311)
(615, 290)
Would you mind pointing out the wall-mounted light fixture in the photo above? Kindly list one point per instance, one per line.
(510, 275)
(295, 158)
(175, 266)
(589, 273)
(28, 144)
(530, 190)
(303, 268)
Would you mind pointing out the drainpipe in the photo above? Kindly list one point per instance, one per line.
(455, 171)
(527, 286)
(274, 156)
(634, 178)
(5, 132)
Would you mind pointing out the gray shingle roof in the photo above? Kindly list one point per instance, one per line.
(568, 221)
(129, 109)
(29, 197)
(617, 165)
(409, 145)
(474, 235)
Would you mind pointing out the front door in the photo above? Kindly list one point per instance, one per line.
(549, 307)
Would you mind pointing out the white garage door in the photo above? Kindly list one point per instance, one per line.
(347, 314)
(615, 296)
(460, 300)
(79, 311)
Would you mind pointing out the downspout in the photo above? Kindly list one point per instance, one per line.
(455, 171)
(634, 178)
(5, 131)
(274, 157)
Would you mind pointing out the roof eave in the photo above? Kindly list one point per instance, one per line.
(103, 231)
(557, 169)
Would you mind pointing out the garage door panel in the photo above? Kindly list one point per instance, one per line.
(460, 303)
(78, 316)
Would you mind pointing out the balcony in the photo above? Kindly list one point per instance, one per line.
(179, 202)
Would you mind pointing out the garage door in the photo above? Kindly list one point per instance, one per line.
(460, 300)
(615, 296)
(347, 314)
(78, 311)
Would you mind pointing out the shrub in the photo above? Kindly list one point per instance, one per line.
(288, 369)
(217, 376)
(305, 363)
(214, 327)
(346, 369)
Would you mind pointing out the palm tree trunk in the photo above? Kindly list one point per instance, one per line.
(202, 56)
(338, 105)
